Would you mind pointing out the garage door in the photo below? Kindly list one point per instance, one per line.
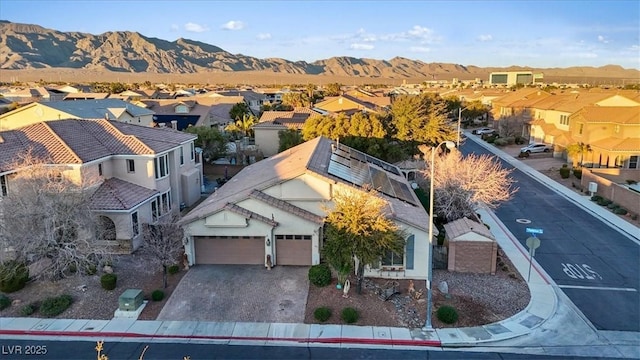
(295, 251)
(229, 250)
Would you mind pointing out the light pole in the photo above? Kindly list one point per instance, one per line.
(450, 145)
(459, 121)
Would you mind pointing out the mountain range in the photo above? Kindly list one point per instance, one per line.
(28, 47)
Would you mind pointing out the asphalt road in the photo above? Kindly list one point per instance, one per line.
(82, 350)
(597, 267)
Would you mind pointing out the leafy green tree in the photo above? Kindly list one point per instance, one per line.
(332, 127)
(578, 149)
(288, 139)
(360, 229)
(295, 99)
(210, 140)
(243, 125)
(421, 119)
(333, 89)
(238, 110)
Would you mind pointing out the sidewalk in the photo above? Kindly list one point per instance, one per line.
(546, 304)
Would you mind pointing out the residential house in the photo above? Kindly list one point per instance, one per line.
(111, 109)
(253, 99)
(85, 96)
(272, 122)
(377, 98)
(37, 94)
(346, 104)
(612, 133)
(138, 174)
(273, 210)
(129, 95)
(512, 112)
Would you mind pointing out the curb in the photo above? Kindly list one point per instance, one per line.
(359, 341)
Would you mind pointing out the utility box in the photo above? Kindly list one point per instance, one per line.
(593, 187)
(130, 300)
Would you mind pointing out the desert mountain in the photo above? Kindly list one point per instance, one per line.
(26, 46)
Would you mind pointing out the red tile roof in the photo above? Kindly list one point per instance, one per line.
(117, 194)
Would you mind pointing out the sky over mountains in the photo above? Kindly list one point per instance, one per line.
(488, 33)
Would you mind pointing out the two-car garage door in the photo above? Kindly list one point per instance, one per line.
(229, 250)
(290, 250)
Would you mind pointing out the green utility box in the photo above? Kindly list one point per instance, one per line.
(130, 300)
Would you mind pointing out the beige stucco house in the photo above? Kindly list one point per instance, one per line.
(110, 109)
(273, 210)
(272, 122)
(136, 174)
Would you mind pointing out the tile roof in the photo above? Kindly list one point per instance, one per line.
(457, 228)
(616, 144)
(75, 141)
(285, 206)
(117, 194)
(524, 93)
(85, 96)
(96, 108)
(571, 102)
(311, 157)
(612, 114)
(249, 214)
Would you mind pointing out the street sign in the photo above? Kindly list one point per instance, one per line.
(534, 231)
(533, 243)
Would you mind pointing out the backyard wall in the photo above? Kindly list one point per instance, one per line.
(609, 189)
(473, 256)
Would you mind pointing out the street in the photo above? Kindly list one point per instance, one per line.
(595, 265)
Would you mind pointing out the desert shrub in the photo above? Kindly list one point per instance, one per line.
(320, 275)
(447, 314)
(513, 276)
(596, 197)
(577, 172)
(173, 269)
(92, 269)
(501, 142)
(510, 140)
(5, 302)
(505, 268)
(604, 202)
(322, 314)
(491, 139)
(500, 264)
(350, 315)
(565, 171)
(620, 211)
(519, 140)
(157, 295)
(612, 206)
(54, 306)
(523, 154)
(108, 281)
(13, 276)
(28, 309)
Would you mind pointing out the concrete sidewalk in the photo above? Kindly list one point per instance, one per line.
(527, 331)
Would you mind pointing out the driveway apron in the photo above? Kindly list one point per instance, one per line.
(243, 293)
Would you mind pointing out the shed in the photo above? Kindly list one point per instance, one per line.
(472, 247)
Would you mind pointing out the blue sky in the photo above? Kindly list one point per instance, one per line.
(484, 33)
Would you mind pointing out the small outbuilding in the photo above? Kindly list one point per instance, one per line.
(472, 247)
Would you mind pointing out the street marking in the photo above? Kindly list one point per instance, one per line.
(597, 288)
(580, 271)
(523, 221)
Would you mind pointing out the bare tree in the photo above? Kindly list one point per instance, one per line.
(462, 184)
(47, 220)
(163, 242)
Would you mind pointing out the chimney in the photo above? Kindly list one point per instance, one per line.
(174, 124)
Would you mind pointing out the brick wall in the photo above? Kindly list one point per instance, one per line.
(608, 189)
(473, 256)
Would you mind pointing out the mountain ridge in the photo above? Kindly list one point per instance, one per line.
(30, 46)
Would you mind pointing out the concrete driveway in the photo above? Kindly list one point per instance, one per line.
(243, 293)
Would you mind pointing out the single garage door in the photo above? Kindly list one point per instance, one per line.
(229, 250)
(293, 249)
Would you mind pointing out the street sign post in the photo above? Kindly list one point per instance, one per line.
(534, 231)
(532, 243)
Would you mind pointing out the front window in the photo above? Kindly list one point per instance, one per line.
(134, 224)
(193, 151)
(131, 166)
(391, 259)
(162, 166)
(580, 128)
(154, 210)
(4, 188)
(160, 205)
(633, 162)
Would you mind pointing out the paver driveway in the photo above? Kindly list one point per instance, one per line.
(244, 293)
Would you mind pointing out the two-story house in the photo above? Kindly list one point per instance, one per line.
(139, 174)
(110, 109)
(272, 122)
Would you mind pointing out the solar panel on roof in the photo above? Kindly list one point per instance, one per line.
(402, 191)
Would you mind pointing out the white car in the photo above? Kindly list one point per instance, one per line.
(536, 148)
(483, 131)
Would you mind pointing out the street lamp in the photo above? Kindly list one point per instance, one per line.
(459, 121)
(450, 145)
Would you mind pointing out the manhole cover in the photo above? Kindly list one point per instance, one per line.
(523, 221)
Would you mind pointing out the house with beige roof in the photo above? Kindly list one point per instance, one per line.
(346, 104)
(272, 122)
(111, 109)
(138, 174)
(273, 210)
(35, 94)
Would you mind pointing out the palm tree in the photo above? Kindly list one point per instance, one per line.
(244, 125)
(576, 149)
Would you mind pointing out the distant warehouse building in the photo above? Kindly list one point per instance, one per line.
(510, 78)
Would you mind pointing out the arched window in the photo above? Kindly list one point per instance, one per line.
(106, 228)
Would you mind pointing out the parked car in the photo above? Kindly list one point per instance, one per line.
(483, 131)
(535, 148)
